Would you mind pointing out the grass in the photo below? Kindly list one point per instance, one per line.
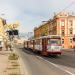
(14, 62)
(11, 68)
(14, 74)
(15, 65)
(13, 56)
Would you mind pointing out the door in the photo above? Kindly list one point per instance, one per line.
(44, 46)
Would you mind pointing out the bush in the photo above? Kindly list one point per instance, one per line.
(14, 74)
(13, 56)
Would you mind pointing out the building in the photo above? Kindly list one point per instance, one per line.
(3, 34)
(62, 24)
(42, 30)
(2, 23)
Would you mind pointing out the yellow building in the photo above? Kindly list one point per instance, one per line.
(2, 30)
(3, 34)
(42, 30)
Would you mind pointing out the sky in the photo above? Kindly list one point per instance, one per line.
(31, 13)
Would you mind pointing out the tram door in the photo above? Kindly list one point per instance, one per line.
(44, 43)
(74, 42)
(33, 45)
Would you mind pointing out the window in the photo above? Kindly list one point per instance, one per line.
(62, 22)
(70, 40)
(54, 41)
(73, 38)
(62, 32)
(63, 46)
(70, 22)
(71, 46)
(62, 41)
(4, 22)
(70, 31)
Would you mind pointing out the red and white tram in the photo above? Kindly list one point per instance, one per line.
(46, 45)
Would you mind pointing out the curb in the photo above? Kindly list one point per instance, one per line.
(22, 68)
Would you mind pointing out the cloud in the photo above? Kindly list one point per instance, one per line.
(7, 8)
(29, 22)
(31, 13)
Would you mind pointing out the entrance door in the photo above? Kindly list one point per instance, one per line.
(44, 46)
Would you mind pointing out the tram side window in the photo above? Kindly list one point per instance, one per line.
(35, 42)
(40, 42)
(49, 42)
(59, 42)
(31, 42)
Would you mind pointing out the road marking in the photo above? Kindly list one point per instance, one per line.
(57, 66)
(69, 72)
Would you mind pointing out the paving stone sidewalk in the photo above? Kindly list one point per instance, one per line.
(5, 64)
(3, 61)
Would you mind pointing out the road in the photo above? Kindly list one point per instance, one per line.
(38, 65)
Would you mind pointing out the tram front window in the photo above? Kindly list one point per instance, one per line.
(54, 41)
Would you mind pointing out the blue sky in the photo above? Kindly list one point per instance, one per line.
(31, 13)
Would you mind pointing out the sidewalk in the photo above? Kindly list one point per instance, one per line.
(4, 62)
(22, 68)
(10, 67)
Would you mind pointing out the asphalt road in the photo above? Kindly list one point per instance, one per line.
(37, 65)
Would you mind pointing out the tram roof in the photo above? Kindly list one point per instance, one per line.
(49, 36)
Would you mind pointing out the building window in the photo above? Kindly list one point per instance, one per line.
(70, 40)
(71, 46)
(71, 31)
(71, 23)
(62, 32)
(62, 41)
(63, 46)
(62, 22)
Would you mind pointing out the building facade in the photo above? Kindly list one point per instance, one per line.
(62, 24)
(3, 35)
(2, 23)
(42, 30)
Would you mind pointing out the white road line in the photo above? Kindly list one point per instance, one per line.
(57, 66)
(69, 72)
